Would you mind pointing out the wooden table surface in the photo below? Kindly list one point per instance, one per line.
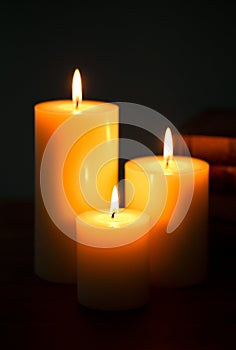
(36, 314)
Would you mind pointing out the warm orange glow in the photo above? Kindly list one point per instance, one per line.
(114, 201)
(77, 89)
(168, 146)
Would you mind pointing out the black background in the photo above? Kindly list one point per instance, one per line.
(177, 58)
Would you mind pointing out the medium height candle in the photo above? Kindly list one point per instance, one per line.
(66, 133)
(178, 258)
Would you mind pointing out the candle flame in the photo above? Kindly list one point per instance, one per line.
(77, 89)
(168, 146)
(114, 202)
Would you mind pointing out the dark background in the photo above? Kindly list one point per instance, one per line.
(178, 58)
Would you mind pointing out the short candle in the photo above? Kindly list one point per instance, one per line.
(112, 259)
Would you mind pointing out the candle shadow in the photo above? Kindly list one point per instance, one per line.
(90, 313)
(112, 329)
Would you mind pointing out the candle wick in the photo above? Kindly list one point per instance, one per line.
(113, 215)
(167, 161)
(77, 103)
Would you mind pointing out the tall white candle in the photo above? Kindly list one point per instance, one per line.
(66, 133)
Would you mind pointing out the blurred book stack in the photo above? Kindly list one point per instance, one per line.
(211, 136)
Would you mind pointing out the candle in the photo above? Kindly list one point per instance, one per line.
(113, 260)
(76, 167)
(174, 192)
